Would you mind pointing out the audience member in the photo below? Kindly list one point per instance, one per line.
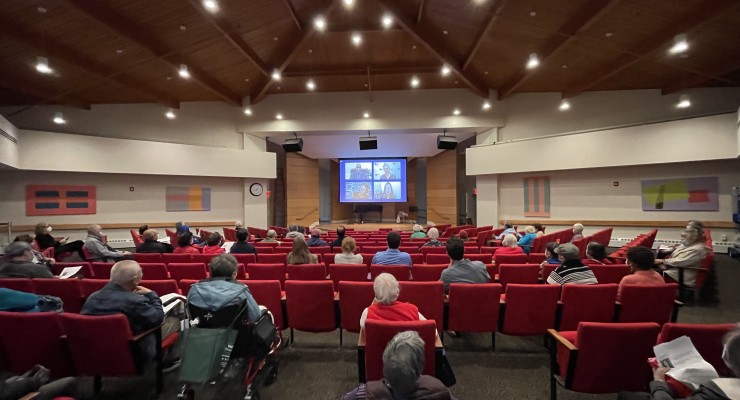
(540, 230)
(34, 384)
(299, 254)
(577, 232)
(44, 240)
(641, 261)
(509, 246)
(392, 256)
(347, 256)
(340, 238)
(151, 243)
(433, 235)
(242, 246)
(213, 244)
(143, 229)
(403, 363)
(185, 244)
(530, 233)
(38, 257)
(182, 228)
(294, 232)
(550, 256)
(508, 230)
(19, 263)
(386, 306)
(238, 225)
(687, 255)
(596, 254)
(315, 240)
(271, 234)
(98, 250)
(418, 232)
(462, 270)
(572, 269)
(222, 289)
(17, 301)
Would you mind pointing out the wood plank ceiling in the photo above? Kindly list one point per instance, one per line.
(126, 51)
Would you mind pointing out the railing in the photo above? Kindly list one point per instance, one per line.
(307, 214)
(649, 224)
(437, 212)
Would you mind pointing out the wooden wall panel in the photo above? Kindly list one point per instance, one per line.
(442, 188)
(302, 189)
(339, 211)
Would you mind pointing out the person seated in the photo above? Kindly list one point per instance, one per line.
(44, 240)
(418, 232)
(508, 230)
(530, 233)
(403, 364)
(151, 243)
(540, 229)
(550, 256)
(641, 261)
(185, 244)
(213, 244)
(392, 256)
(294, 232)
(315, 240)
(143, 229)
(464, 235)
(348, 256)
(433, 235)
(299, 254)
(222, 289)
(509, 246)
(596, 254)
(37, 380)
(462, 270)
(38, 257)
(271, 234)
(238, 225)
(340, 237)
(687, 256)
(141, 306)
(571, 269)
(17, 301)
(577, 232)
(182, 228)
(242, 246)
(98, 250)
(385, 305)
(18, 263)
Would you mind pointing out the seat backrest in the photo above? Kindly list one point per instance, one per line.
(276, 258)
(416, 258)
(229, 234)
(400, 272)
(437, 258)
(586, 303)
(433, 250)
(485, 258)
(20, 284)
(69, 290)
(367, 258)
(647, 303)
(161, 286)
(185, 284)
(610, 273)
(136, 237)
(536, 258)
(154, 271)
(379, 333)
(319, 249)
(90, 286)
(428, 297)
(267, 272)
(474, 307)
(328, 258)
(348, 272)
(310, 305)
(307, 272)
(428, 272)
(354, 297)
(268, 294)
(194, 270)
(99, 345)
(706, 265)
(27, 339)
(409, 249)
(530, 309)
(101, 270)
(87, 270)
(246, 258)
(148, 257)
(483, 237)
(607, 350)
(176, 258)
(469, 250)
(518, 273)
(203, 258)
(707, 338)
(373, 249)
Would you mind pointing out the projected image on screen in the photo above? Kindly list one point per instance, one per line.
(372, 180)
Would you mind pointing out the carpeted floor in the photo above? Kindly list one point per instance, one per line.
(315, 367)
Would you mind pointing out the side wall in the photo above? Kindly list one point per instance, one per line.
(442, 188)
(302, 189)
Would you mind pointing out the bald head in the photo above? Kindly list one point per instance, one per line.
(127, 274)
(93, 229)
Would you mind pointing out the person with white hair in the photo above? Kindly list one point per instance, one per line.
(571, 269)
(530, 233)
(418, 232)
(403, 364)
(433, 235)
(687, 256)
(508, 230)
(509, 246)
(98, 250)
(271, 234)
(238, 225)
(577, 232)
(385, 305)
(19, 263)
(293, 232)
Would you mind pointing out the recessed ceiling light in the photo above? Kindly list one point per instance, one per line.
(275, 38)
(310, 85)
(445, 70)
(275, 75)
(533, 13)
(456, 111)
(119, 51)
(609, 34)
(413, 47)
(169, 78)
(248, 111)
(444, 32)
(210, 5)
(486, 105)
(356, 39)
(41, 10)
(170, 114)
(456, 82)
(59, 118)
(278, 116)
(564, 66)
(310, 51)
(387, 21)
(348, 3)
(183, 71)
(564, 105)
(366, 115)
(533, 61)
(279, 88)
(319, 23)
(683, 101)
(679, 44)
(366, 85)
(246, 80)
(183, 28)
(42, 65)
(485, 73)
(414, 82)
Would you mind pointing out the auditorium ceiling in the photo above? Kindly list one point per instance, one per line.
(83, 52)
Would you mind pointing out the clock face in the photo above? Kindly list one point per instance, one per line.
(256, 189)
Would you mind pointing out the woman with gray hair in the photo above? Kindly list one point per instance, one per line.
(433, 235)
(509, 246)
(418, 232)
(577, 232)
(385, 305)
(403, 363)
(688, 256)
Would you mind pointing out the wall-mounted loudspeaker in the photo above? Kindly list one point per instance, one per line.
(446, 142)
(293, 145)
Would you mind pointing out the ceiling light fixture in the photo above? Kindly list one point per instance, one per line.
(356, 39)
(319, 23)
(387, 21)
(486, 105)
(183, 71)
(41, 10)
(42, 65)
(170, 114)
(278, 116)
(348, 3)
(310, 85)
(366, 115)
(59, 118)
(533, 61)
(446, 70)
(679, 44)
(210, 5)
(414, 82)
(456, 111)
(564, 105)
(683, 101)
(248, 111)
(275, 75)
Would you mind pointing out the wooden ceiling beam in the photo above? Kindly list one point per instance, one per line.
(361, 71)
(420, 12)
(700, 15)
(425, 37)
(698, 80)
(579, 22)
(32, 89)
(493, 15)
(293, 14)
(141, 37)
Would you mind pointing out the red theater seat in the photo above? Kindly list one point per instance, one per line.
(245, 258)
(307, 272)
(510, 259)
(148, 257)
(35, 338)
(161, 287)
(269, 294)
(267, 272)
(518, 273)
(648, 303)
(474, 308)
(379, 333)
(401, 272)
(428, 297)
(310, 306)
(154, 271)
(195, 270)
(20, 284)
(586, 303)
(185, 284)
(610, 273)
(433, 250)
(348, 272)
(203, 258)
(530, 309)
(90, 286)
(101, 270)
(427, 272)
(176, 258)
(437, 259)
(707, 338)
(277, 258)
(69, 290)
(485, 258)
(354, 297)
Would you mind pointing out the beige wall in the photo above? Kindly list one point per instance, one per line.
(302, 189)
(442, 188)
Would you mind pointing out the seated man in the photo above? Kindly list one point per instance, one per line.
(141, 306)
(315, 240)
(641, 261)
(462, 270)
(392, 256)
(222, 289)
(271, 234)
(294, 232)
(151, 245)
(385, 305)
(19, 264)
(508, 229)
(340, 237)
(572, 269)
(100, 251)
(241, 246)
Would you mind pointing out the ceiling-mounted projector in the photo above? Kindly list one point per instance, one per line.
(446, 142)
(368, 142)
(293, 145)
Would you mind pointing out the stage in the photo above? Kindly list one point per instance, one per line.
(375, 226)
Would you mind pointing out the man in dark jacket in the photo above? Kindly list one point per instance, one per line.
(19, 256)
(151, 245)
(338, 240)
(315, 240)
(241, 246)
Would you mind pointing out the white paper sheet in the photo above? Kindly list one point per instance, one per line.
(686, 364)
(69, 272)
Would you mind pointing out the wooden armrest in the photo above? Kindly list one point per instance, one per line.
(678, 303)
(560, 339)
(146, 332)
(30, 396)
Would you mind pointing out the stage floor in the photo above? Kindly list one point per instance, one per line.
(408, 227)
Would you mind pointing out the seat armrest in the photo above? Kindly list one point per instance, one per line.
(30, 396)
(560, 339)
(146, 332)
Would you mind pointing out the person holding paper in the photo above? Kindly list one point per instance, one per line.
(19, 263)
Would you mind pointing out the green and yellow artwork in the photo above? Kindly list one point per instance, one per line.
(681, 194)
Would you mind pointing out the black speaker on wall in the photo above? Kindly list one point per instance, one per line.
(368, 142)
(293, 145)
(446, 142)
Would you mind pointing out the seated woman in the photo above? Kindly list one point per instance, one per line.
(550, 256)
(433, 235)
(577, 232)
(530, 233)
(509, 246)
(299, 254)
(213, 244)
(386, 306)
(44, 240)
(418, 232)
(403, 363)
(185, 244)
(596, 254)
(540, 229)
(687, 256)
(271, 237)
(348, 255)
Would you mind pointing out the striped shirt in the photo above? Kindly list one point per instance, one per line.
(572, 271)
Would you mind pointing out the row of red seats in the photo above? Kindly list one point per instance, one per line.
(645, 240)
(602, 237)
(539, 243)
